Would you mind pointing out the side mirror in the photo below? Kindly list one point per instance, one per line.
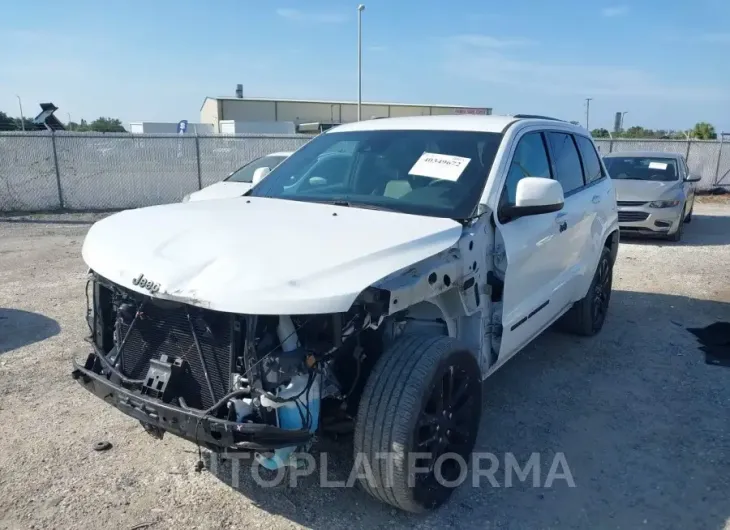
(317, 181)
(692, 178)
(259, 175)
(535, 196)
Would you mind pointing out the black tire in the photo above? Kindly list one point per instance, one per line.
(688, 219)
(397, 409)
(587, 316)
(677, 236)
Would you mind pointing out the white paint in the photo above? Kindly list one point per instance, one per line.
(535, 191)
(539, 262)
(658, 165)
(220, 190)
(277, 257)
(227, 189)
(262, 256)
(437, 166)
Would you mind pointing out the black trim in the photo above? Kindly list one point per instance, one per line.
(506, 218)
(515, 212)
(191, 424)
(532, 314)
(524, 319)
(536, 117)
(538, 309)
(554, 167)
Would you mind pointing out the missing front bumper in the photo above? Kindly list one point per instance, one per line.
(213, 433)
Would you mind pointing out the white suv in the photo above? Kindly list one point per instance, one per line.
(375, 298)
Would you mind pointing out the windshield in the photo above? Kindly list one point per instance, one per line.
(642, 168)
(245, 174)
(434, 173)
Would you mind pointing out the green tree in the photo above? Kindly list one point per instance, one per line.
(637, 132)
(6, 122)
(78, 127)
(600, 133)
(704, 131)
(107, 125)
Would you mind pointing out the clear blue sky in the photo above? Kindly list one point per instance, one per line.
(666, 62)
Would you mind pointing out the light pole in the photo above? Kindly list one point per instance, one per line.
(360, 9)
(624, 113)
(588, 111)
(22, 118)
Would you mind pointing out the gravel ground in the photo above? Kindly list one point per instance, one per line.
(642, 421)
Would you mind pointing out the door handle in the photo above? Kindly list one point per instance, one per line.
(563, 226)
(596, 199)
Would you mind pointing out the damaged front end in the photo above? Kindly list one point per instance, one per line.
(230, 382)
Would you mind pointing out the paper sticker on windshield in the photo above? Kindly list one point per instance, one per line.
(658, 165)
(436, 166)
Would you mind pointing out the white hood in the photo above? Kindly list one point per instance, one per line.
(644, 190)
(221, 190)
(262, 256)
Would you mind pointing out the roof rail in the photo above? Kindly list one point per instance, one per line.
(535, 116)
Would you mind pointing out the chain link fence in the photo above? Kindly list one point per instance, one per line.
(85, 171)
(42, 171)
(709, 159)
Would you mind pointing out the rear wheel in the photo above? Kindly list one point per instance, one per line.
(586, 317)
(421, 402)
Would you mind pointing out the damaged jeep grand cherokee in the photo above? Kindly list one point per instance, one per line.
(369, 284)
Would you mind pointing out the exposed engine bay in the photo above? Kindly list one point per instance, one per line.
(261, 383)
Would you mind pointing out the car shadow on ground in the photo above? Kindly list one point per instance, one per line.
(704, 230)
(19, 328)
(639, 419)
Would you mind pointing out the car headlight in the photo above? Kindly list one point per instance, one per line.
(186, 198)
(663, 204)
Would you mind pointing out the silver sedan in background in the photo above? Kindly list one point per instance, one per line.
(654, 191)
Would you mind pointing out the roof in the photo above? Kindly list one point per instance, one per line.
(491, 123)
(644, 154)
(335, 102)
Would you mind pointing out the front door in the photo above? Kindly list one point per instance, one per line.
(533, 255)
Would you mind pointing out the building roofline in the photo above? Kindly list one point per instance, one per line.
(338, 102)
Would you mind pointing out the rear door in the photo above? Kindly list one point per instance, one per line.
(599, 197)
(530, 252)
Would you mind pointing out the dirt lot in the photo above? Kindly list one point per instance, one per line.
(643, 422)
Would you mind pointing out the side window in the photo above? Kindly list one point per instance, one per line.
(530, 160)
(591, 164)
(568, 169)
(686, 168)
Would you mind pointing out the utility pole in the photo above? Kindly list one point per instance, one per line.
(360, 9)
(22, 118)
(588, 111)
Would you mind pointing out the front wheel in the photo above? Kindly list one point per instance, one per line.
(586, 317)
(417, 421)
(677, 235)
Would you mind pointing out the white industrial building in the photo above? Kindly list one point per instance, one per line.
(152, 127)
(284, 115)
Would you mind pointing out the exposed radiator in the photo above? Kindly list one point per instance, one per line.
(164, 329)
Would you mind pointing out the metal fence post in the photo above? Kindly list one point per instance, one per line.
(686, 156)
(197, 159)
(58, 170)
(610, 145)
(719, 157)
